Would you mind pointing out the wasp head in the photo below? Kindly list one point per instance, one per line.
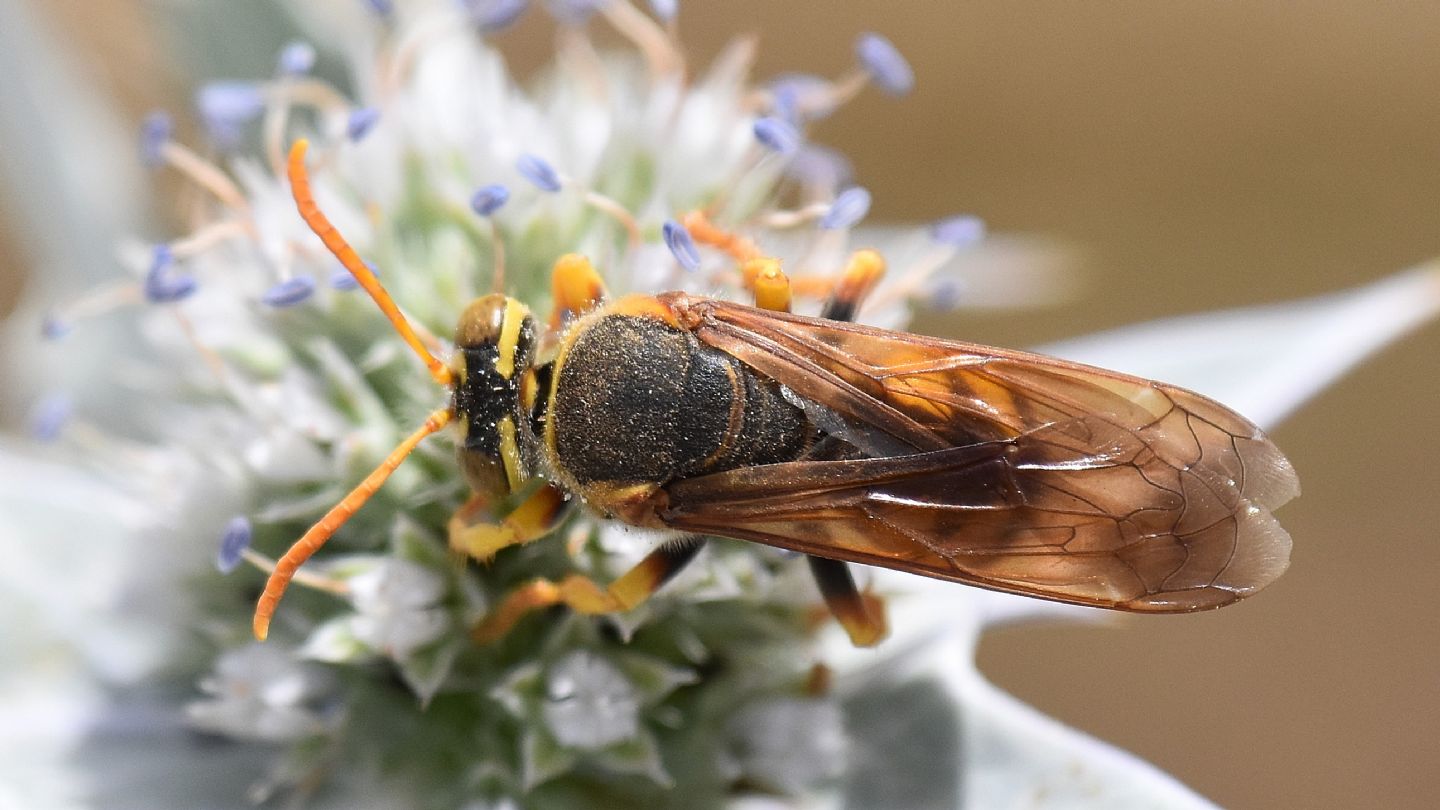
(494, 349)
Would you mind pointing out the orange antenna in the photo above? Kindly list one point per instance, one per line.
(321, 225)
(313, 539)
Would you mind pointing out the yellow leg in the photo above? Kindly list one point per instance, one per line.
(860, 276)
(576, 288)
(583, 595)
(473, 534)
(861, 614)
(768, 281)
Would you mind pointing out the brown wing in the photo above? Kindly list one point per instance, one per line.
(1008, 470)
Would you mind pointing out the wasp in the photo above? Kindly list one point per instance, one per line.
(994, 468)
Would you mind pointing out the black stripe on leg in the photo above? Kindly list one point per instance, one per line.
(845, 601)
(672, 557)
(651, 573)
(840, 309)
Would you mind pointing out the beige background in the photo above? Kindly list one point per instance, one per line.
(1202, 155)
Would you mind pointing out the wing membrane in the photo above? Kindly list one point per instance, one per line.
(1016, 472)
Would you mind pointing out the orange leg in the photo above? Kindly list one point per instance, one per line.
(576, 288)
(583, 595)
(475, 536)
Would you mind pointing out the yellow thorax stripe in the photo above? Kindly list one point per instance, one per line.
(510, 454)
(509, 338)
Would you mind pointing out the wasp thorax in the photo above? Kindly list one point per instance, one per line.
(495, 345)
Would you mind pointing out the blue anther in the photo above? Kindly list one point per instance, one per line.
(289, 292)
(848, 209)
(488, 199)
(887, 68)
(50, 416)
(162, 286)
(777, 135)
(53, 327)
(678, 239)
(572, 12)
(296, 58)
(537, 171)
(360, 122)
(492, 16)
(665, 10)
(961, 230)
(226, 107)
(819, 166)
(161, 257)
(786, 104)
(946, 293)
(233, 544)
(155, 132)
(165, 288)
(802, 97)
(343, 280)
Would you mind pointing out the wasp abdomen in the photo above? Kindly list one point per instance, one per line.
(636, 400)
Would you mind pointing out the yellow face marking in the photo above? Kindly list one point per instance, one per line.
(509, 341)
(510, 453)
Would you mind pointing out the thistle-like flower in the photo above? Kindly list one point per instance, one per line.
(271, 385)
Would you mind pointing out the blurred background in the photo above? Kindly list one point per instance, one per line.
(1197, 156)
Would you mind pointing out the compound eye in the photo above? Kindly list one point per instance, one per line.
(482, 322)
(486, 476)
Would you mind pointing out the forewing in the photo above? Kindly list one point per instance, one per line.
(1017, 472)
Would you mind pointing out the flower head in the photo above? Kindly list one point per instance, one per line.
(663, 190)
